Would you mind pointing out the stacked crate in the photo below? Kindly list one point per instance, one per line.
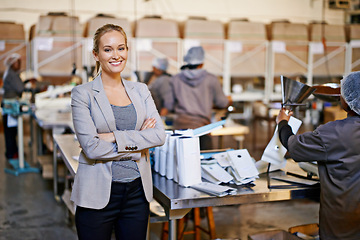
(289, 44)
(210, 34)
(157, 37)
(245, 60)
(328, 49)
(56, 45)
(12, 40)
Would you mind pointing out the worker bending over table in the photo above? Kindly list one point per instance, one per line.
(336, 148)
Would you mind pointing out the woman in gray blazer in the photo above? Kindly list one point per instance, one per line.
(116, 122)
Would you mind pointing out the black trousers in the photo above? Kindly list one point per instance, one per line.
(10, 133)
(127, 213)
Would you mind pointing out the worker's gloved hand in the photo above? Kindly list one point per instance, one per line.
(284, 114)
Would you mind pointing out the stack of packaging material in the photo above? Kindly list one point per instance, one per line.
(214, 189)
(179, 158)
(233, 166)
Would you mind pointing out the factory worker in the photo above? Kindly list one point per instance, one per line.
(195, 93)
(13, 88)
(336, 148)
(159, 85)
(13, 85)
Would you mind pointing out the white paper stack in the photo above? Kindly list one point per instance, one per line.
(242, 167)
(214, 189)
(238, 165)
(179, 158)
(171, 157)
(157, 159)
(160, 156)
(215, 173)
(188, 159)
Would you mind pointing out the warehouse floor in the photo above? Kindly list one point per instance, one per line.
(28, 210)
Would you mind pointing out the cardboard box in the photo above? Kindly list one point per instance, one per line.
(334, 113)
(204, 29)
(332, 33)
(335, 36)
(94, 23)
(63, 64)
(162, 35)
(286, 31)
(273, 235)
(157, 28)
(58, 26)
(11, 31)
(13, 37)
(291, 38)
(354, 31)
(248, 45)
(210, 34)
(243, 30)
(58, 44)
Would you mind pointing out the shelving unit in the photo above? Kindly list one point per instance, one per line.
(246, 53)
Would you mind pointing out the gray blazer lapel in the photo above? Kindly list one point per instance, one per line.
(136, 100)
(103, 102)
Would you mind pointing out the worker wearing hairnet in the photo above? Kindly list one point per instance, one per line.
(195, 93)
(159, 85)
(336, 148)
(13, 88)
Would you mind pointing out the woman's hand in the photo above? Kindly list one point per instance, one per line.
(148, 123)
(283, 115)
(108, 137)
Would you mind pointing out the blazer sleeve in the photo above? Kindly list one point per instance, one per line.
(148, 138)
(93, 147)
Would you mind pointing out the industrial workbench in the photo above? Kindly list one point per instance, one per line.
(178, 201)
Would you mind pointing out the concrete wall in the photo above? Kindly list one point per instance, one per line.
(300, 11)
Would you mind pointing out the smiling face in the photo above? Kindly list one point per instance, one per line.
(112, 53)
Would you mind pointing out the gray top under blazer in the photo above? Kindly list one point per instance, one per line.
(92, 114)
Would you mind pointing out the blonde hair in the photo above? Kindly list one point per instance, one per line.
(99, 33)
